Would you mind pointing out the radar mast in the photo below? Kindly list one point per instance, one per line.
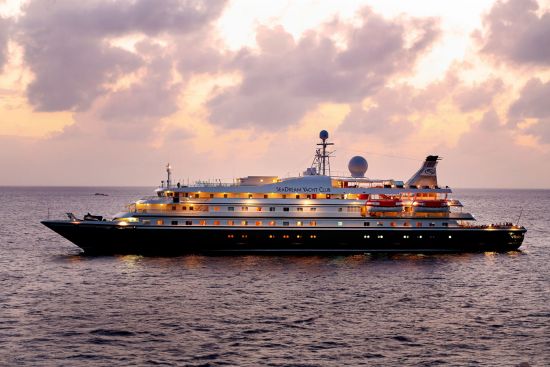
(321, 162)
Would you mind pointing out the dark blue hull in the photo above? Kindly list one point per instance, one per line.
(109, 238)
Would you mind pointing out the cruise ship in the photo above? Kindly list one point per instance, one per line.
(314, 213)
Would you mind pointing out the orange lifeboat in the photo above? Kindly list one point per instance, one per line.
(434, 206)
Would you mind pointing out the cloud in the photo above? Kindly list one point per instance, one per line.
(514, 31)
(67, 46)
(478, 96)
(286, 77)
(533, 104)
(3, 40)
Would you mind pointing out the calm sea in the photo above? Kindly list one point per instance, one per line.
(58, 308)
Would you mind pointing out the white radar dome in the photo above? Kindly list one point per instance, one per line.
(358, 166)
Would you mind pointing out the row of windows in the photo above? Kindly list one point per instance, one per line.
(349, 209)
(265, 196)
(298, 223)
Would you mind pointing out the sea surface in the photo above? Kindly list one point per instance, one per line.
(59, 308)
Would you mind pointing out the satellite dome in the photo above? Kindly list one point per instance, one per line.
(323, 135)
(358, 166)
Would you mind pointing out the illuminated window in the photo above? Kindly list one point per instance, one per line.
(283, 196)
(188, 222)
(216, 222)
(250, 196)
(328, 196)
(196, 196)
(244, 208)
(230, 209)
(405, 236)
(286, 209)
(450, 236)
(300, 209)
(216, 208)
(313, 223)
(272, 209)
(308, 196)
(230, 222)
(244, 223)
(211, 196)
(366, 236)
(407, 224)
(297, 196)
(380, 236)
(299, 223)
(379, 224)
(419, 224)
(286, 236)
(225, 196)
(258, 222)
(190, 208)
(160, 222)
(286, 223)
(340, 224)
(174, 222)
(202, 222)
(259, 209)
(298, 236)
(392, 224)
(244, 236)
(272, 223)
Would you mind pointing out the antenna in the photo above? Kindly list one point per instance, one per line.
(519, 216)
(169, 173)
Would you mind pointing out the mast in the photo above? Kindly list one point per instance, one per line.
(168, 173)
(324, 155)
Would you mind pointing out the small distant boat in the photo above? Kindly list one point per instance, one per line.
(100, 194)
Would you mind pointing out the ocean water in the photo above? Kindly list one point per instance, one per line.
(59, 308)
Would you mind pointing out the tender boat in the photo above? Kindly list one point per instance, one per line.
(314, 213)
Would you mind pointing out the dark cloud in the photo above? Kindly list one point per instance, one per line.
(533, 104)
(3, 41)
(67, 45)
(514, 31)
(479, 96)
(286, 78)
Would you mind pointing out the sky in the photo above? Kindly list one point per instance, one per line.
(109, 92)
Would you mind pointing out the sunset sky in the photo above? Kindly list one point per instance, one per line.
(108, 92)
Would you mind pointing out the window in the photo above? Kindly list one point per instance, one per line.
(340, 224)
(339, 209)
(299, 223)
(265, 196)
(380, 236)
(186, 194)
(202, 222)
(160, 222)
(244, 223)
(432, 224)
(407, 224)
(174, 222)
(328, 196)
(259, 209)
(298, 236)
(272, 209)
(297, 196)
(312, 209)
(188, 222)
(286, 224)
(196, 196)
(283, 196)
(183, 208)
(244, 208)
(300, 209)
(393, 224)
(258, 222)
(286, 209)
(225, 196)
(211, 196)
(308, 196)
(230, 222)
(190, 208)
(313, 223)
(445, 224)
(250, 196)
(230, 208)
(146, 221)
(272, 223)
(450, 236)
(216, 208)
(419, 224)
(216, 222)
(366, 224)
(379, 224)
(173, 207)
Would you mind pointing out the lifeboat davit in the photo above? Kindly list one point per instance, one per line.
(431, 206)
